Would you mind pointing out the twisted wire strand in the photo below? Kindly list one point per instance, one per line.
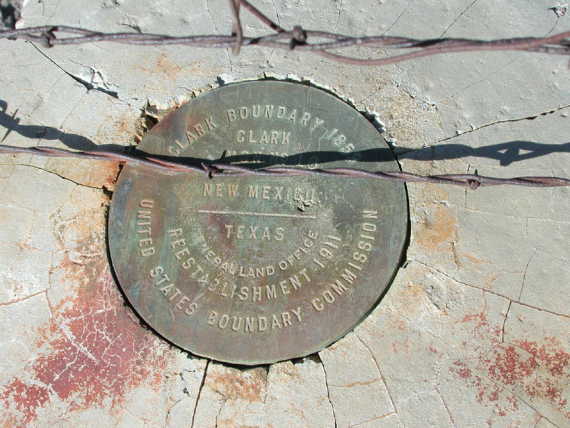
(297, 38)
(214, 169)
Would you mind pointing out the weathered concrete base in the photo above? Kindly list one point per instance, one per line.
(475, 329)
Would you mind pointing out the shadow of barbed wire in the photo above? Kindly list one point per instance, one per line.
(505, 153)
(11, 123)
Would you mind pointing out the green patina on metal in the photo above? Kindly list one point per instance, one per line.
(258, 269)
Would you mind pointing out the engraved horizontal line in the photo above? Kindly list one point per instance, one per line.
(313, 217)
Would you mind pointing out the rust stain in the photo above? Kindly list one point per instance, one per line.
(358, 383)
(103, 174)
(437, 228)
(414, 290)
(234, 385)
(165, 66)
(92, 352)
(168, 68)
(124, 125)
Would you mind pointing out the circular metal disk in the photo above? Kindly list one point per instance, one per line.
(254, 270)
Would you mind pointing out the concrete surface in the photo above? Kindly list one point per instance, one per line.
(475, 329)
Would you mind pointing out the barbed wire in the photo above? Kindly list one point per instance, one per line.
(219, 168)
(298, 39)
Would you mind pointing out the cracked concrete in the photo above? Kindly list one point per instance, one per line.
(503, 121)
(475, 328)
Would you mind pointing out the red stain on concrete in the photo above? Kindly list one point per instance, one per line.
(480, 318)
(509, 365)
(482, 328)
(25, 397)
(550, 355)
(537, 371)
(461, 370)
(92, 353)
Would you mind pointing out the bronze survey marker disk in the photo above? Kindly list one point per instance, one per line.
(259, 269)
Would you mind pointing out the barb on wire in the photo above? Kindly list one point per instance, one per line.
(317, 42)
(212, 169)
(237, 30)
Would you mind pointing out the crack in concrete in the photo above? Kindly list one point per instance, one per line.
(87, 85)
(518, 302)
(505, 322)
(328, 389)
(524, 275)
(379, 371)
(503, 121)
(200, 388)
(372, 420)
(54, 173)
(456, 260)
(98, 79)
(169, 410)
(339, 13)
(266, 368)
(48, 301)
(458, 17)
(224, 401)
(276, 13)
(22, 299)
(446, 407)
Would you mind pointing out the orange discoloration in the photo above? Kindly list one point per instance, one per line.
(83, 171)
(490, 280)
(236, 385)
(124, 125)
(471, 258)
(106, 174)
(163, 65)
(166, 66)
(24, 245)
(438, 228)
(414, 290)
